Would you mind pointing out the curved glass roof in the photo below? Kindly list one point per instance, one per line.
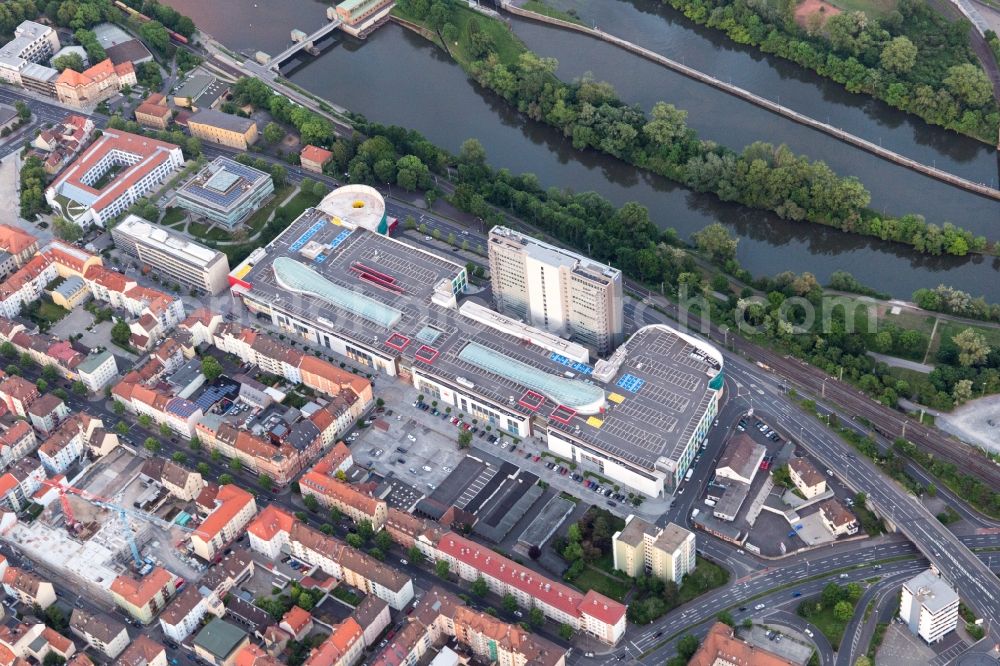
(583, 397)
(295, 276)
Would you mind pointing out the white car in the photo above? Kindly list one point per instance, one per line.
(426, 468)
(809, 633)
(760, 607)
(446, 468)
(403, 562)
(411, 438)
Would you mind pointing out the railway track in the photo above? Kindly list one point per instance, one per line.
(887, 422)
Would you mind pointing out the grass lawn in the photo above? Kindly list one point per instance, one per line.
(824, 620)
(51, 312)
(873, 8)
(540, 7)
(257, 221)
(173, 216)
(200, 230)
(509, 48)
(591, 579)
(949, 329)
(299, 203)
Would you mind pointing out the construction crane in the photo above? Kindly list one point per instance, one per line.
(123, 514)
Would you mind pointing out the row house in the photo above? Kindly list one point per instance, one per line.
(60, 143)
(234, 509)
(591, 613)
(18, 243)
(354, 501)
(101, 632)
(143, 651)
(411, 531)
(275, 529)
(47, 413)
(143, 598)
(17, 442)
(43, 348)
(281, 462)
(335, 418)
(343, 647)
(18, 394)
(26, 587)
(67, 444)
(26, 285)
(35, 643)
(184, 614)
(20, 484)
(374, 617)
(198, 329)
(443, 616)
(179, 414)
(126, 294)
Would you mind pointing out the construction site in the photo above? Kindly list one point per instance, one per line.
(92, 532)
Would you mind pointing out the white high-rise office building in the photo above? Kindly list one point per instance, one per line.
(557, 290)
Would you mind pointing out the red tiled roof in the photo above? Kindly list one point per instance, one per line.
(15, 240)
(232, 499)
(270, 522)
(296, 618)
(315, 154)
(140, 592)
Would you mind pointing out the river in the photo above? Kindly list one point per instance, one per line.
(397, 77)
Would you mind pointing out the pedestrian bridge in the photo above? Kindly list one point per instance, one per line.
(301, 43)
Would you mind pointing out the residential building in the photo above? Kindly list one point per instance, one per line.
(184, 614)
(95, 84)
(68, 443)
(343, 647)
(26, 285)
(592, 613)
(353, 501)
(69, 260)
(47, 412)
(179, 481)
(20, 58)
(234, 509)
(556, 290)
(159, 311)
(24, 644)
(27, 587)
(16, 442)
(836, 518)
(219, 643)
(225, 191)
(233, 569)
(314, 158)
(721, 646)
(297, 622)
(929, 606)
(143, 651)
(143, 598)
(7, 264)
(59, 144)
(223, 128)
(198, 329)
(18, 243)
(112, 174)
(171, 255)
(154, 112)
(666, 553)
(807, 479)
(411, 531)
(98, 370)
(373, 615)
(274, 528)
(179, 414)
(442, 616)
(101, 632)
(44, 349)
(20, 483)
(18, 394)
(741, 459)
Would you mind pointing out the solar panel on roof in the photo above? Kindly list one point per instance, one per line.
(221, 188)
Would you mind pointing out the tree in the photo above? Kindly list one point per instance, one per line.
(78, 388)
(355, 541)
(215, 455)
(152, 445)
(71, 60)
(831, 595)
(225, 479)
(726, 618)
(273, 133)
(121, 333)
(195, 443)
(165, 430)
(464, 438)
(442, 568)
(156, 35)
(536, 618)
(479, 587)
(509, 603)
(717, 242)
(366, 530)
(899, 55)
(853, 592)
(687, 645)
(121, 428)
(972, 347)
(969, 83)
(179, 457)
(863, 660)
(118, 408)
(203, 468)
(265, 482)
(416, 555)
(211, 368)
(843, 611)
(41, 385)
(279, 175)
(235, 464)
(383, 540)
(565, 631)
(311, 502)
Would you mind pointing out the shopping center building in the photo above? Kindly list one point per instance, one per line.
(637, 417)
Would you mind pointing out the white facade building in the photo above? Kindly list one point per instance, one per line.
(929, 606)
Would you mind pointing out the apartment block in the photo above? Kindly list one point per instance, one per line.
(234, 509)
(807, 479)
(144, 597)
(351, 500)
(666, 553)
(557, 290)
(171, 255)
(101, 632)
(27, 588)
(929, 606)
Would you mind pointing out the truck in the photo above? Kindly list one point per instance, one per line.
(709, 502)
(687, 477)
(694, 514)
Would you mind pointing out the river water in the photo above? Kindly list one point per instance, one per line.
(397, 77)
